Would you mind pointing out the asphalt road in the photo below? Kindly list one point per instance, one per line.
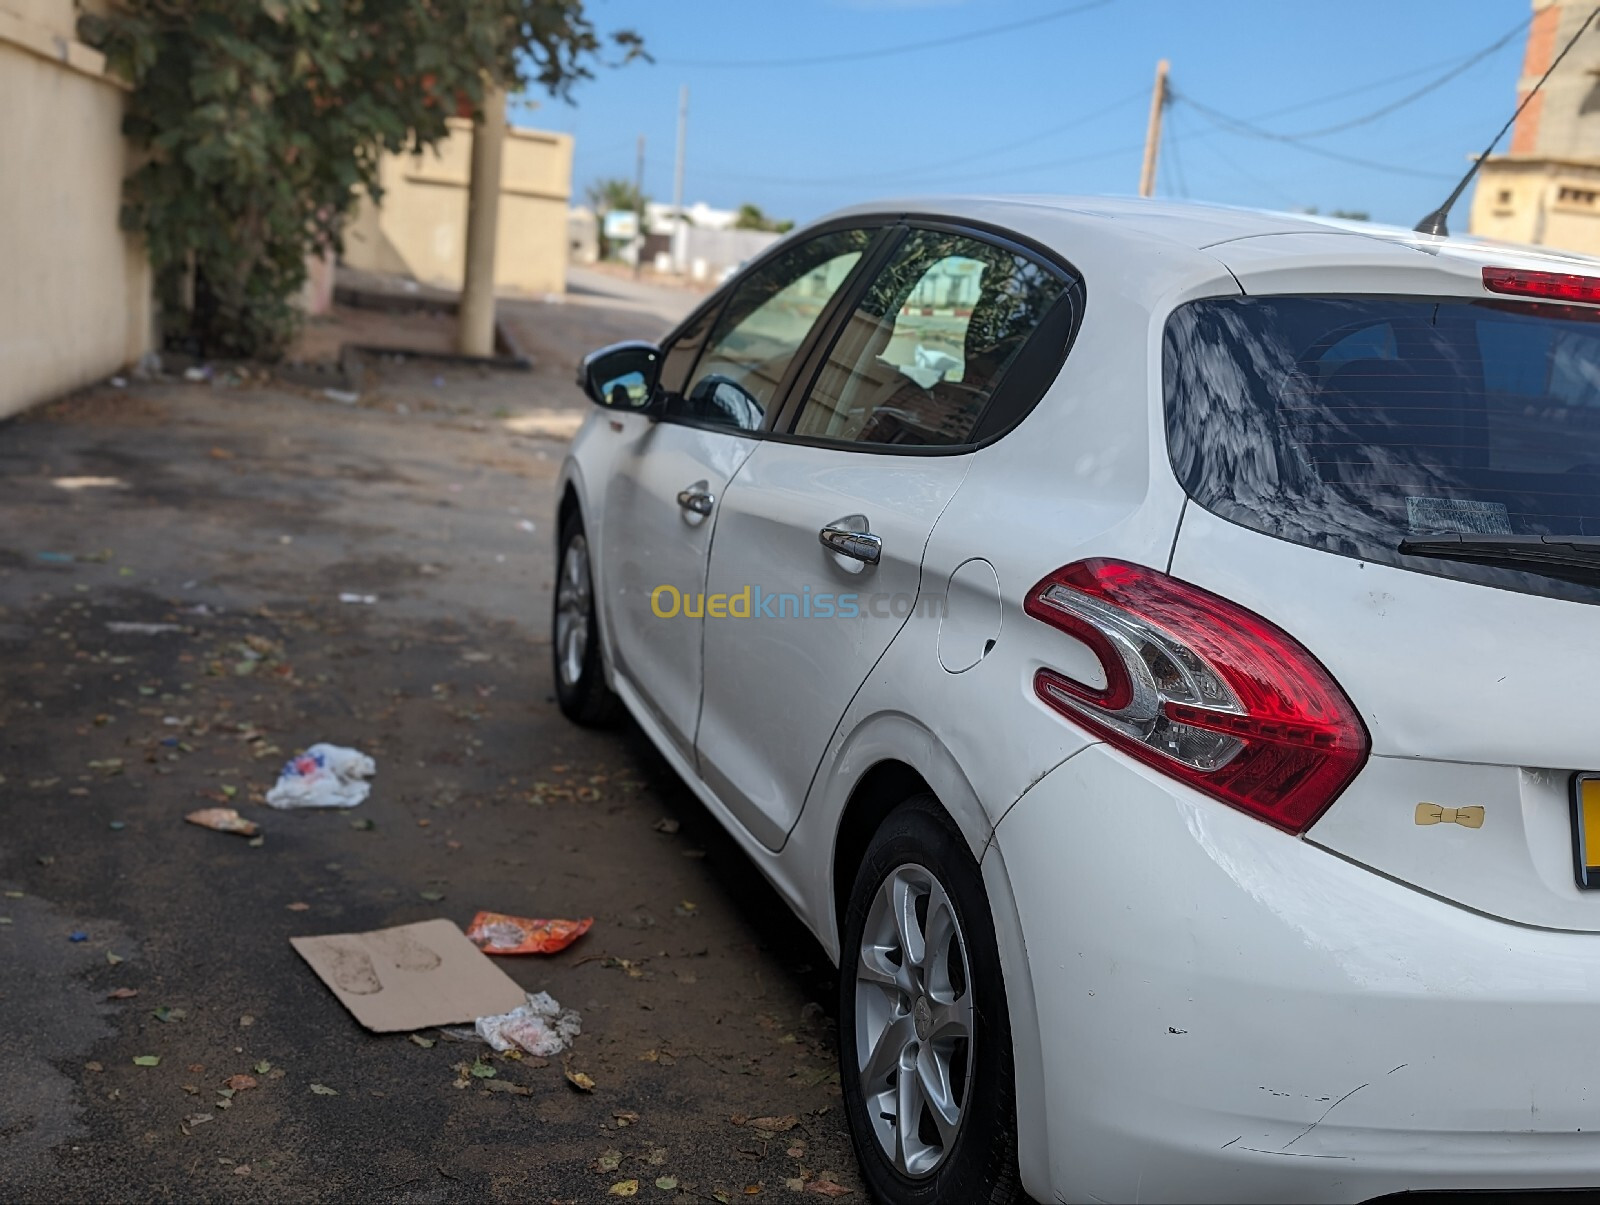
(239, 512)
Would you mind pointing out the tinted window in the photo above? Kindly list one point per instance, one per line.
(767, 317)
(1351, 424)
(925, 351)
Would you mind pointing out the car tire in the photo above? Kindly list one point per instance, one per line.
(575, 658)
(945, 1023)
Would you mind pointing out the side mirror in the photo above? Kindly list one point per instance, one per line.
(623, 376)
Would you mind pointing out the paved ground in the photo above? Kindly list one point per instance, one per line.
(240, 512)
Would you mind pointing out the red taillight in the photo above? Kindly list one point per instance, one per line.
(1558, 286)
(1203, 690)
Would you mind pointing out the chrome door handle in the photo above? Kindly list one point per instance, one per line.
(697, 499)
(857, 545)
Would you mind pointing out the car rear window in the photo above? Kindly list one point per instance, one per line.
(1353, 423)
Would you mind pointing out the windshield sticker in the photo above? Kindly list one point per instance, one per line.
(1457, 516)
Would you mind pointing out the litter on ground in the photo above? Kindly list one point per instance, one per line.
(497, 933)
(540, 1026)
(224, 820)
(324, 776)
(409, 977)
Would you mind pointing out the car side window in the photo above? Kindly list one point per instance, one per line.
(766, 319)
(923, 353)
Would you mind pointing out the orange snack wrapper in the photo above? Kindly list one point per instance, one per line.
(497, 933)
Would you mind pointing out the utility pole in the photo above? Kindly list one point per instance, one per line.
(638, 200)
(1152, 134)
(475, 322)
(679, 237)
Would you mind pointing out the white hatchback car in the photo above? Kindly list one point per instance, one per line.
(1150, 646)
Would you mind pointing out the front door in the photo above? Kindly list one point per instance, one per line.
(663, 496)
(817, 560)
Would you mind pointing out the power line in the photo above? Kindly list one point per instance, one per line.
(854, 56)
(926, 170)
(1173, 140)
(1466, 65)
(1283, 197)
(1235, 125)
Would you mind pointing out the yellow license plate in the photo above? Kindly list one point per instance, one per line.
(1586, 829)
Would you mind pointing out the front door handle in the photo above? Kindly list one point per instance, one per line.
(698, 498)
(857, 545)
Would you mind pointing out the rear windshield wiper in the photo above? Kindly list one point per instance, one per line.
(1572, 558)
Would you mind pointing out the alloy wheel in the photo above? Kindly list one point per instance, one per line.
(914, 1020)
(573, 593)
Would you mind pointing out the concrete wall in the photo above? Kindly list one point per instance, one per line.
(75, 300)
(420, 227)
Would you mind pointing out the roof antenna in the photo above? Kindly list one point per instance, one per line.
(1434, 223)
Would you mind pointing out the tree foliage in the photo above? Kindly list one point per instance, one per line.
(751, 217)
(258, 122)
(615, 194)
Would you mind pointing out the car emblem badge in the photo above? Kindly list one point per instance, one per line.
(922, 1014)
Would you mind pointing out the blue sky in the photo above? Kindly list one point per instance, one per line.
(1058, 106)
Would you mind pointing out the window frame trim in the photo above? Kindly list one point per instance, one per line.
(890, 229)
(1075, 295)
(885, 235)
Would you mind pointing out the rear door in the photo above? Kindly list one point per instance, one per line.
(722, 375)
(817, 559)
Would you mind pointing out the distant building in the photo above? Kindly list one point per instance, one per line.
(1546, 189)
(420, 228)
(658, 217)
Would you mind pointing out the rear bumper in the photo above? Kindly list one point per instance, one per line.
(1227, 1013)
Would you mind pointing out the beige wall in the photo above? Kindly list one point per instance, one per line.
(420, 229)
(1551, 202)
(74, 290)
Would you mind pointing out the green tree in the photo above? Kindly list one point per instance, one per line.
(751, 217)
(614, 195)
(259, 120)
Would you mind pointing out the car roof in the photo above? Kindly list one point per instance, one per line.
(1139, 222)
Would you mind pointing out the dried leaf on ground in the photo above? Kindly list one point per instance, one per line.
(500, 1085)
(482, 1070)
(123, 993)
(324, 1090)
(580, 1081)
(608, 1161)
(298, 906)
(147, 1060)
(425, 1043)
(667, 825)
(827, 1188)
(774, 1125)
(263, 1067)
(168, 1016)
(224, 820)
(240, 1083)
(623, 1188)
(667, 1183)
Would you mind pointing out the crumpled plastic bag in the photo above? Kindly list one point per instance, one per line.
(324, 776)
(497, 933)
(541, 1027)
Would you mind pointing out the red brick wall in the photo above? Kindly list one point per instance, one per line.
(1541, 48)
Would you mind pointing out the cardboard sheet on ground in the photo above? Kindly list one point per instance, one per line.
(411, 976)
